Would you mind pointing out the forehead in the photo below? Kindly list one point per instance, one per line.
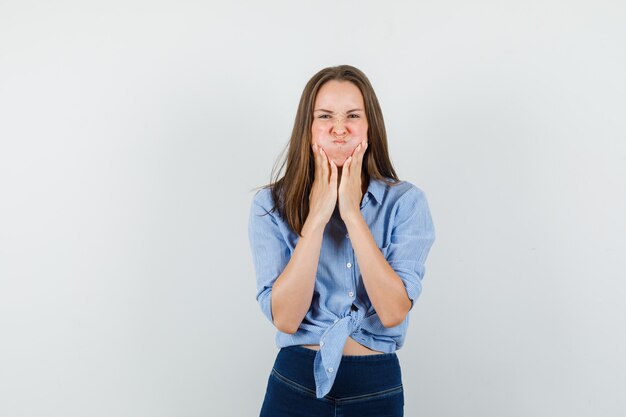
(339, 94)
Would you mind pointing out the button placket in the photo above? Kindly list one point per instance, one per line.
(351, 274)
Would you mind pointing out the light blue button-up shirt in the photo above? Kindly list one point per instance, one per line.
(399, 219)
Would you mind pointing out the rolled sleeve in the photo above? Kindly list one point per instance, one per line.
(412, 235)
(270, 253)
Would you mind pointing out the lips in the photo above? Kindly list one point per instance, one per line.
(339, 142)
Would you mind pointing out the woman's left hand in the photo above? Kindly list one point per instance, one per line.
(350, 188)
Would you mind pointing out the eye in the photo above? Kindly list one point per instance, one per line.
(323, 116)
(356, 116)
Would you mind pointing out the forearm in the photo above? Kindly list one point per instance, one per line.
(292, 291)
(384, 287)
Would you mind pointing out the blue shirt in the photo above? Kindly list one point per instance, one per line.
(399, 220)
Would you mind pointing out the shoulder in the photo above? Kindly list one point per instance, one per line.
(410, 207)
(263, 202)
(403, 192)
(263, 197)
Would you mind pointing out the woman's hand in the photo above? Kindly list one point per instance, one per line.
(323, 195)
(350, 188)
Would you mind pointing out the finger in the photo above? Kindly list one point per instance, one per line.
(355, 152)
(319, 161)
(356, 156)
(353, 158)
(361, 154)
(346, 166)
(314, 150)
(325, 169)
(333, 174)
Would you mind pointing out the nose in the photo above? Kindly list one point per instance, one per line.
(339, 128)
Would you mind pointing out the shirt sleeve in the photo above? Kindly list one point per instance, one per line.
(412, 236)
(270, 253)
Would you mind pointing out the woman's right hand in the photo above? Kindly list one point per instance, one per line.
(323, 195)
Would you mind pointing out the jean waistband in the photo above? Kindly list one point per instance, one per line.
(357, 374)
(300, 350)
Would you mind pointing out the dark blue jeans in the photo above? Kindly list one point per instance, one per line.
(365, 385)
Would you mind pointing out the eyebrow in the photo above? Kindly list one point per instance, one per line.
(328, 111)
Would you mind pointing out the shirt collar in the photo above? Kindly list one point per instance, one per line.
(376, 188)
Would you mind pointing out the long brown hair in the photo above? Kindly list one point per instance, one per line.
(291, 192)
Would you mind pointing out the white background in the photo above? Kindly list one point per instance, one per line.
(131, 137)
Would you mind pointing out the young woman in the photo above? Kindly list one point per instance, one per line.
(339, 245)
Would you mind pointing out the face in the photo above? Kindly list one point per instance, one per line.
(339, 121)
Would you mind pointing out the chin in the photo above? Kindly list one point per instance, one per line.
(339, 160)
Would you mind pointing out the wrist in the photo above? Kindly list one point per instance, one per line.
(313, 225)
(353, 219)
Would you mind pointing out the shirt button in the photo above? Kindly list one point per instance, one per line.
(349, 265)
(350, 293)
(330, 369)
(322, 343)
(348, 235)
(335, 321)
